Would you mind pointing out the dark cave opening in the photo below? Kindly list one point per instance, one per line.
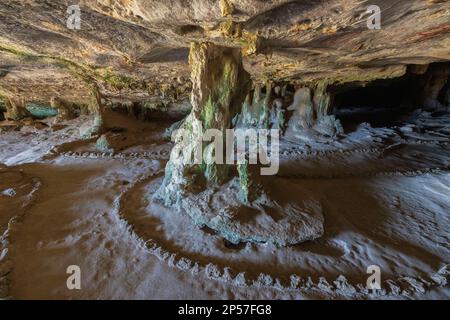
(382, 102)
(379, 105)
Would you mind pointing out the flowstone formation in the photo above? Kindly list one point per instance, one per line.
(232, 199)
(311, 114)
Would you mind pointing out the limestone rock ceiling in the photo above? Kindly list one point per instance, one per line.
(138, 49)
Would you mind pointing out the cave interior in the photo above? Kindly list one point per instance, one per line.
(345, 163)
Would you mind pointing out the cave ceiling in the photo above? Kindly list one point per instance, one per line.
(138, 49)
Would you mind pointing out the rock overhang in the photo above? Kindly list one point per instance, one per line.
(138, 49)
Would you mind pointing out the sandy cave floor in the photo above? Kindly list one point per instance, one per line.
(384, 194)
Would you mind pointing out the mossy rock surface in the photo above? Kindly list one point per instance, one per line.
(41, 111)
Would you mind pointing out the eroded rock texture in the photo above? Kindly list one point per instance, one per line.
(15, 109)
(139, 49)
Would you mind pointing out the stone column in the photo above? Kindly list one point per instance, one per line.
(97, 109)
(220, 85)
(303, 107)
(437, 79)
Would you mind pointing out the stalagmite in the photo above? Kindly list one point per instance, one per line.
(220, 85)
(311, 113)
(224, 149)
(256, 113)
(97, 109)
(447, 98)
(303, 108)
